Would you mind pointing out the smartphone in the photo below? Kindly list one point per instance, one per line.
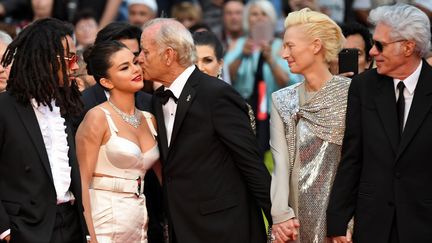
(262, 31)
(348, 60)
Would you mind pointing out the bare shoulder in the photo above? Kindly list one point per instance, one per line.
(94, 122)
(95, 115)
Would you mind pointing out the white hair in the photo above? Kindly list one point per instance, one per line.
(407, 23)
(173, 34)
(264, 5)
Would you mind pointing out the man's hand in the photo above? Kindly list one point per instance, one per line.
(342, 239)
(286, 231)
(339, 239)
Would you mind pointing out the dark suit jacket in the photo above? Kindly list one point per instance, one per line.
(94, 96)
(380, 176)
(215, 184)
(27, 194)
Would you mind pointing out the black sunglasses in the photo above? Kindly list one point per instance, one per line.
(380, 46)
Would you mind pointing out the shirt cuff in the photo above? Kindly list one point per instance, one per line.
(4, 234)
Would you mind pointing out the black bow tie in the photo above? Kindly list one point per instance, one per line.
(164, 96)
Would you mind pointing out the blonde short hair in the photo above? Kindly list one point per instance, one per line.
(319, 26)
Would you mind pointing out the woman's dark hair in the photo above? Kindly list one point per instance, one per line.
(98, 58)
(38, 55)
(207, 38)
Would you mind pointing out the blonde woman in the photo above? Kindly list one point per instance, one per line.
(307, 124)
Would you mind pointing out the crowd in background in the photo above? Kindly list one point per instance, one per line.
(231, 21)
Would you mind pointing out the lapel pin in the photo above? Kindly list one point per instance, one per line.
(188, 98)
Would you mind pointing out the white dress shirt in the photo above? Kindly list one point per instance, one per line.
(170, 108)
(410, 84)
(54, 135)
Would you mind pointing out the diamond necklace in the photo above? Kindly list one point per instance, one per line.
(133, 120)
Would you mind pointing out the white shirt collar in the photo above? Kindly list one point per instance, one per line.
(411, 81)
(177, 86)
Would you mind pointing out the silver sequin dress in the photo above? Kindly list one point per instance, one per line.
(313, 129)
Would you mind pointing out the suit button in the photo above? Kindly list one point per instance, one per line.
(27, 168)
(32, 202)
(398, 175)
(391, 204)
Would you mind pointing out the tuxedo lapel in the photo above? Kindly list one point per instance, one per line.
(162, 136)
(28, 117)
(386, 105)
(185, 100)
(420, 107)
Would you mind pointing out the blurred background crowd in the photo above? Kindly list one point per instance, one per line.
(240, 26)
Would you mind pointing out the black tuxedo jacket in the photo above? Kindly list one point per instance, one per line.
(27, 194)
(215, 183)
(381, 175)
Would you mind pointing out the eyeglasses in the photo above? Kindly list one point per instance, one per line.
(380, 46)
(72, 59)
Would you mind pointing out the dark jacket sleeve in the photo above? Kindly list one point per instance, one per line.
(236, 133)
(343, 195)
(4, 218)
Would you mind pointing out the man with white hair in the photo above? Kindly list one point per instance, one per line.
(5, 40)
(214, 182)
(385, 175)
(141, 11)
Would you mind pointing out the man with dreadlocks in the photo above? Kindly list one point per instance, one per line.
(40, 190)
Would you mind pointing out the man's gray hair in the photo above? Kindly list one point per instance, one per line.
(5, 38)
(173, 34)
(407, 23)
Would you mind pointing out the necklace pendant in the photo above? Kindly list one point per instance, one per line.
(133, 121)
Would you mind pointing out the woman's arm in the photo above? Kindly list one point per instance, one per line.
(110, 12)
(285, 225)
(89, 138)
(235, 65)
